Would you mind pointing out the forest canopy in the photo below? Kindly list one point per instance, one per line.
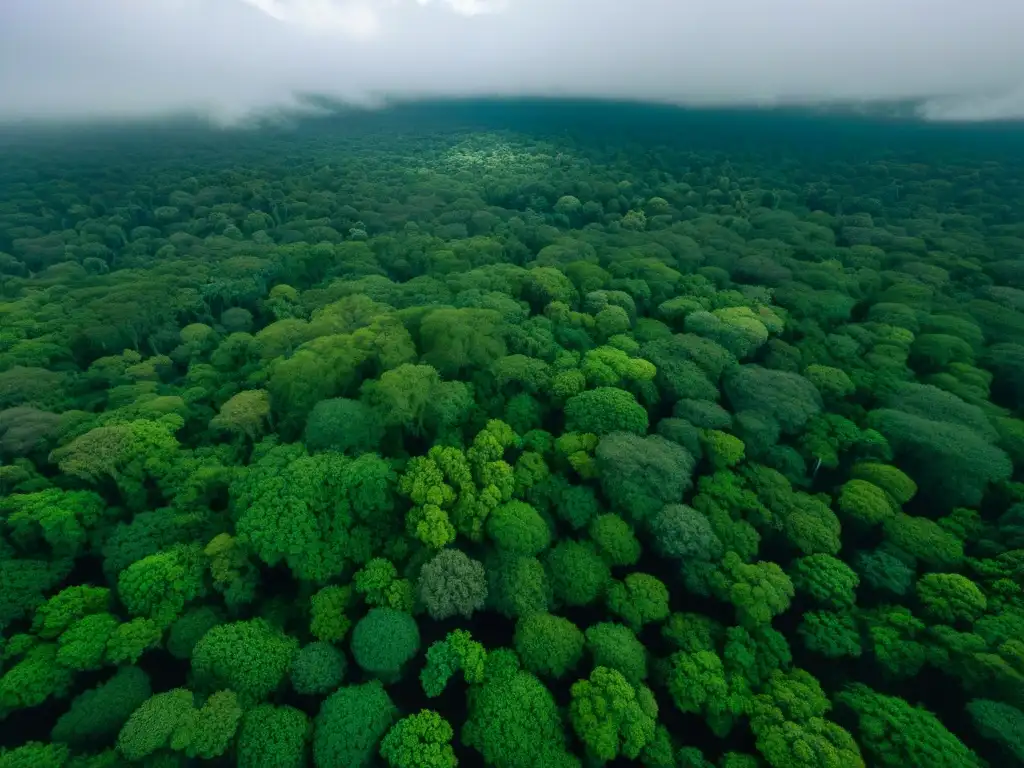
(502, 439)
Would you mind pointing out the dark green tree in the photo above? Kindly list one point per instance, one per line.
(383, 641)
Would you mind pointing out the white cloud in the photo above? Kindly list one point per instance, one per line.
(86, 58)
(357, 19)
(1004, 105)
(472, 7)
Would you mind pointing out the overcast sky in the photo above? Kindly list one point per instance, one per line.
(103, 58)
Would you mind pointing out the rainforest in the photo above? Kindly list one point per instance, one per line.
(526, 434)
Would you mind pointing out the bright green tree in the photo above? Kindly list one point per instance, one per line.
(611, 716)
(950, 597)
(328, 621)
(865, 503)
(826, 580)
(638, 599)
(159, 586)
(151, 726)
(378, 583)
(422, 740)
(458, 651)
(605, 410)
(207, 732)
(615, 540)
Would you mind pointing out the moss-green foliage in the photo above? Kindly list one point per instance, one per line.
(680, 531)
(865, 503)
(923, 540)
(833, 635)
(458, 651)
(759, 591)
(34, 754)
(696, 681)
(611, 716)
(33, 679)
(638, 599)
(617, 647)
(950, 460)
(722, 449)
(378, 584)
(577, 573)
(61, 519)
(423, 739)
(516, 527)
(69, 605)
(791, 728)
(832, 383)
(514, 721)
(209, 730)
(605, 410)
(128, 641)
(250, 657)
(615, 540)
(950, 597)
(151, 726)
(703, 413)
(83, 645)
(451, 583)
(826, 580)
(548, 645)
(893, 732)
(299, 509)
(575, 505)
(289, 417)
(518, 585)
(328, 619)
(273, 737)
(691, 757)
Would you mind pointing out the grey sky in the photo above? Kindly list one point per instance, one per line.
(84, 58)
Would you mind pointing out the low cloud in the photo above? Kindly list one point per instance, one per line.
(73, 59)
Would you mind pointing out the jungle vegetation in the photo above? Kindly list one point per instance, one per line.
(532, 436)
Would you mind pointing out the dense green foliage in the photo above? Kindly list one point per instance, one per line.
(503, 439)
